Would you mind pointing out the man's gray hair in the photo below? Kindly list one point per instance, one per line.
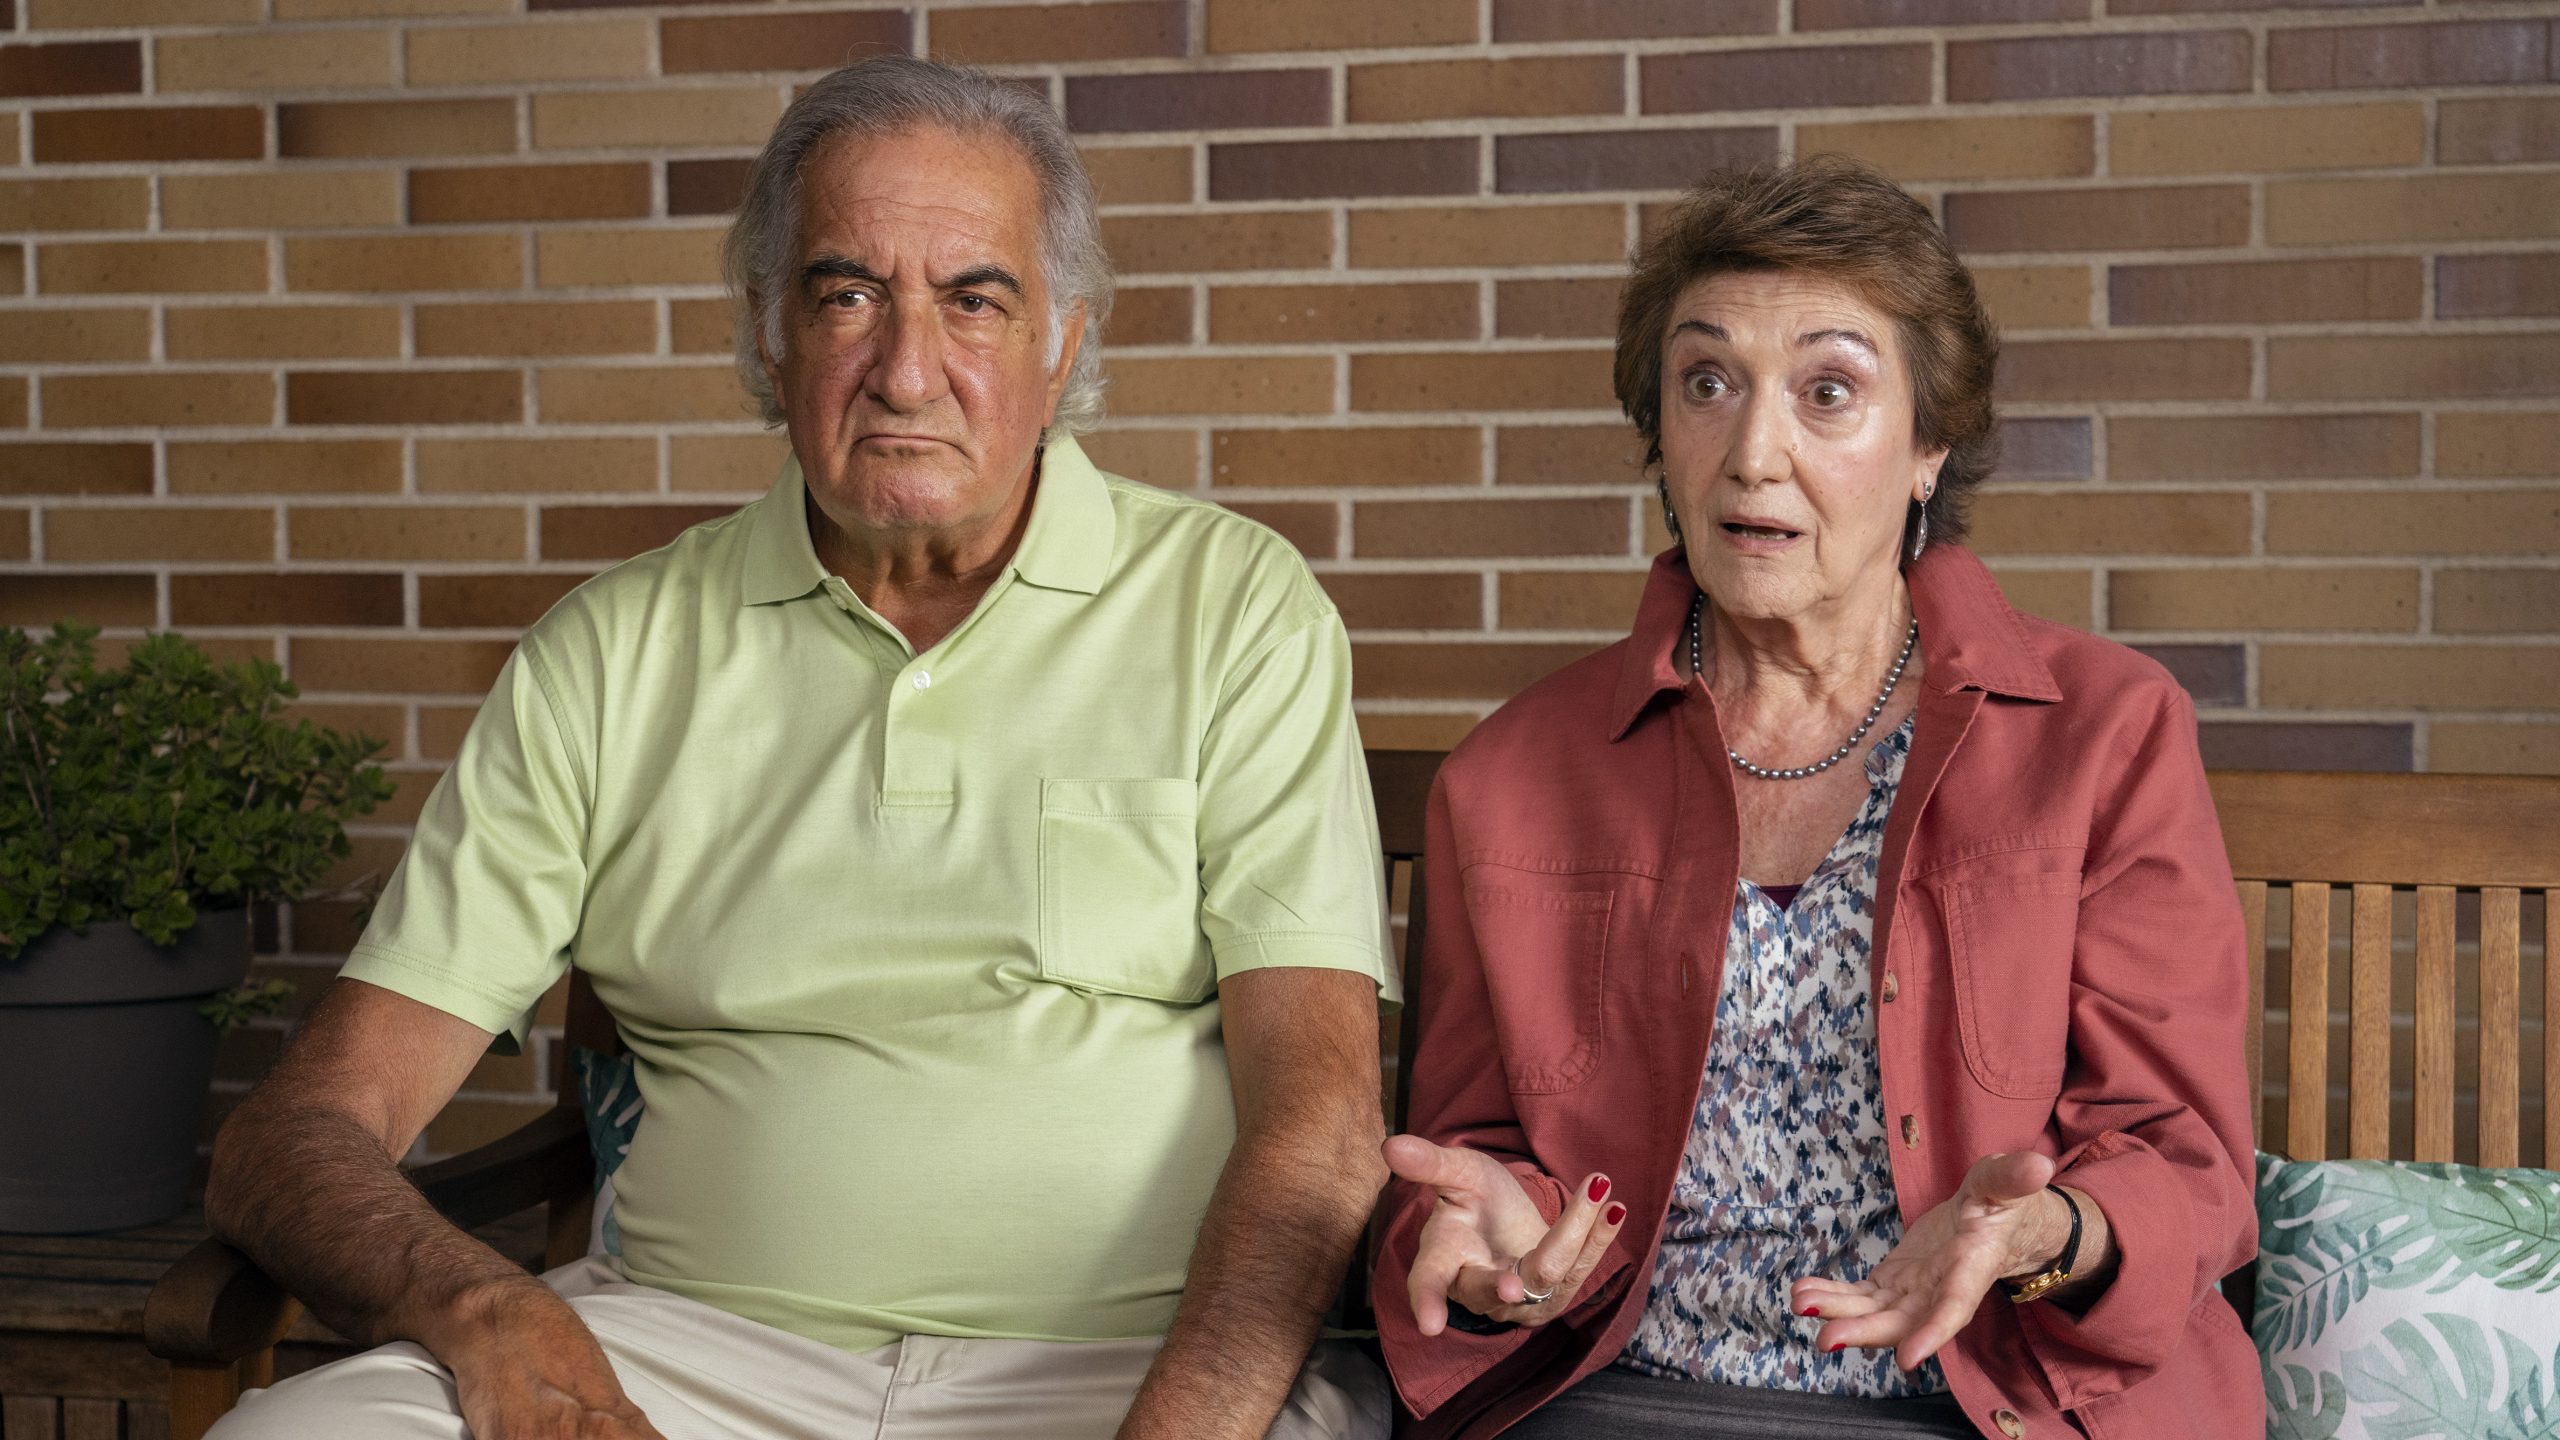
(885, 95)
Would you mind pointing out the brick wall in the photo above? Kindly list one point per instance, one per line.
(352, 332)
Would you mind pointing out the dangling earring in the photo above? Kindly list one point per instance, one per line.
(1920, 536)
(1670, 522)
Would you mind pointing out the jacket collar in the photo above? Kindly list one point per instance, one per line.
(1067, 545)
(1969, 637)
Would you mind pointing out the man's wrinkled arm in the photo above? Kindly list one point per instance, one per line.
(1302, 1050)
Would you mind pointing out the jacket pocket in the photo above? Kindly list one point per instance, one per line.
(2012, 939)
(1545, 956)
(1120, 889)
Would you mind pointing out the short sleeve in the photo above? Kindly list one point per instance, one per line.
(1288, 834)
(478, 917)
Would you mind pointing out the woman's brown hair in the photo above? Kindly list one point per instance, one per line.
(1836, 219)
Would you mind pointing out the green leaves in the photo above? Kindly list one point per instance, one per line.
(243, 1003)
(2302, 1405)
(147, 793)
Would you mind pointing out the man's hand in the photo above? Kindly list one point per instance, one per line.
(527, 1368)
(2000, 1224)
(1486, 1246)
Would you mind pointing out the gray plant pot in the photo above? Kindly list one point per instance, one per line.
(104, 1067)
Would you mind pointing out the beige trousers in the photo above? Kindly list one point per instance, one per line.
(700, 1373)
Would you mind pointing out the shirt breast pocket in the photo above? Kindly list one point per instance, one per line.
(1120, 889)
(1544, 953)
(2012, 938)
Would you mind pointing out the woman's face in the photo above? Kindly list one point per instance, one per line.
(1787, 440)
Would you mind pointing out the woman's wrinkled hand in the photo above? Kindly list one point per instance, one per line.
(1488, 1248)
(1999, 1224)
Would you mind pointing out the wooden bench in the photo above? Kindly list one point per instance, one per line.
(2466, 857)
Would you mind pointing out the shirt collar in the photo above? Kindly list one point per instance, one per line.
(1067, 545)
(1969, 637)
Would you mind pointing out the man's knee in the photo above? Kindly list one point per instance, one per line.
(397, 1392)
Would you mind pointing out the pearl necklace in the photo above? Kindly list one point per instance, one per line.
(1697, 666)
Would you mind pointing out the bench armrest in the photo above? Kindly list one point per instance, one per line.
(215, 1306)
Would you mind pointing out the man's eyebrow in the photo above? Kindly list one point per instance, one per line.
(1851, 337)
(978, 275)
(837, 267)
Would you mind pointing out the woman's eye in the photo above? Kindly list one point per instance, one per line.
(1703, 384)
(1829, 394)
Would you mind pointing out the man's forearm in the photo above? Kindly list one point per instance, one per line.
(1287, 1214)
(308, 1193)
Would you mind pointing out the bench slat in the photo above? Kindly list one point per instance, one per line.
(2306, 1131)
(2501, 913)
(2369, 1026)
(2434, 1139)
(2550, 1027)
(2253, 920)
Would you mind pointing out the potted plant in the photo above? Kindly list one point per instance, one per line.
(142, 811)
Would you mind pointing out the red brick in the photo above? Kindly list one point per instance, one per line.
(1309, 169)
(1517, 21)
(80, 67)
(2479, 52)
(2152, 63)
(1788, 79)
(696, 44)
(1221, 100)
(162, 132)
(1660, 160)
(1025, 34)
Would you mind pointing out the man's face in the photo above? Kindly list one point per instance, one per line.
(913, 374)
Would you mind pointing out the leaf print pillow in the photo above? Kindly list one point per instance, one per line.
(609, 1093)
(2405, 1302)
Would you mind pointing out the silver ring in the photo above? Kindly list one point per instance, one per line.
(1532, 1296)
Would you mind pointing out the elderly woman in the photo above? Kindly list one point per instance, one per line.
(1833, 1011)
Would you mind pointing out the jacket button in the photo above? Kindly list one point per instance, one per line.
(2008, 1422)
(1911, 1132)
(1891, 987)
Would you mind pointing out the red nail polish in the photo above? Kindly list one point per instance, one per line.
(1812, 1312)
(1599, 1188)
(1617, 1214)
(1835, 1347)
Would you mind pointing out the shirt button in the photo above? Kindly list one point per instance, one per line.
(924, 679)
(1891, 987)
(2009, 1423)
(1911, 1132)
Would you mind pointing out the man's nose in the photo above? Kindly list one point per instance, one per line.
(908, 375)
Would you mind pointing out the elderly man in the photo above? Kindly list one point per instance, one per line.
(976, 854)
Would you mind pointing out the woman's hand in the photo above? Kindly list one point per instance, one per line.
(1486, 1246)
(2000, 1224)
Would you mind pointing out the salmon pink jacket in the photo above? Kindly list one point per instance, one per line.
(2058, 966)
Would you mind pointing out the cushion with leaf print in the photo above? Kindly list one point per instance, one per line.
(2405, 1302)
(609, 1094)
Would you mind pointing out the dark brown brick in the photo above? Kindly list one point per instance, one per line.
(85, 67)
(404, 397)
(1218, 100)
(2041, 370)
(2479, 286)
(2045, 449)
(286, 598)
(368, 128)
(67, 469)
(483, 194)
(1623, 159)
(707, 187)
(2161, 218)
(1784, 79)
(1144, 315)
(1516, 21)
(2213, 674)
(698, 44)
(1307, 169)
(1897, 14)
(2149, 64)
(1025, 34)
(2471, 52)
(105, 600)
(1314, 527)
(2187, 7)
(2305, 745)
(1437, 601)
(2265, 292)
(1559, 309)
(1240, 26)
(2501, 131)
(13, 269)
(489, 601)
(161, 132)
(617, 532)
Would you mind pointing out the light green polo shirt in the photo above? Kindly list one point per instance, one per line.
(918, 954)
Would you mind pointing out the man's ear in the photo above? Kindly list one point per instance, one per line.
(1069, 343)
